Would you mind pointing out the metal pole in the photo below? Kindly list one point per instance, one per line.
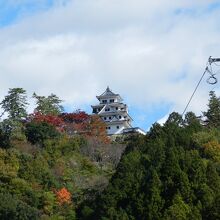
(213, 60)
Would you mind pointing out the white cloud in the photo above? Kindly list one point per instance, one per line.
(162, 120)
(151, 53)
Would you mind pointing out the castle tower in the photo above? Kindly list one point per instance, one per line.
(113, 112)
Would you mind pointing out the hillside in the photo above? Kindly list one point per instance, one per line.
(51, 161)
(171, 173)
(57, 165)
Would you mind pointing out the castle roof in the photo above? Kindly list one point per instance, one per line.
(108, 93)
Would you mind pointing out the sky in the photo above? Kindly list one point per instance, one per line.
(150, 52)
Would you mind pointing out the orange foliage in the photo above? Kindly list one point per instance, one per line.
(63, 196)
(97, 129)
(53, 120)
(91, 126)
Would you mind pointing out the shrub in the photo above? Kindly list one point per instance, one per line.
(12, 208)
(38, 132)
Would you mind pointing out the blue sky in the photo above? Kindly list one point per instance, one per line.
(152, 53)
(13, 11)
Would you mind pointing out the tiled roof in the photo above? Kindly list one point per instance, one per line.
(108, 92)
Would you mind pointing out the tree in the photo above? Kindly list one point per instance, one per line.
(48, 202)
(12, 208)
(15, 103)
(164, 176)
(75, 122)
(63, 196)
(179, 209)
(75, 117)
(5, 134)
(38, 132)
(53, 120)
(192, 121)
(48, 105)
(96, 129)
(212, 149)
(213, 113)
(175, 118)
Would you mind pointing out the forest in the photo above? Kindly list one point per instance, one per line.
(58, 165)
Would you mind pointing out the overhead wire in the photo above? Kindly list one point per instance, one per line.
(211, 80)
(194, 92)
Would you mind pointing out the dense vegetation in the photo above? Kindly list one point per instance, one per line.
(171, 173)
(57, 165)
(51, 161)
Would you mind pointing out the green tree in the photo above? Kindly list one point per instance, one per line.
(38, 132)
(49, 201)
(154, 201)
(5, 134)
(48, 105)
(11, 130)
(192, 121)
(213, 113)
(15, 104)
(165, 175)
(174, 118)
(179, 210)
(13, 209)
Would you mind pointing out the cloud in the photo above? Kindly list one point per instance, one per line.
(152, 53)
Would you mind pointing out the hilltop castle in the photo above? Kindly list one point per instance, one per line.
(114, 113)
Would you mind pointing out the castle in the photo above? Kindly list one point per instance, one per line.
(114, 113)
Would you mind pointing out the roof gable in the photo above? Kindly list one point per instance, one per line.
(108, 92)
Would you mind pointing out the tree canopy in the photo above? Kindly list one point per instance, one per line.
(48, 105)
(64, 166)
(15, 103)
(213, 113)
(171, 173)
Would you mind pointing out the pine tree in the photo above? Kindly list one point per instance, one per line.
(48, 105)
(213, 113)
(15, 104)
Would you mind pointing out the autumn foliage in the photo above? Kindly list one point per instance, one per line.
(53, 120)
(91, 126)
(63, 196)
(75, 117)
(97, 129)
(79, 122)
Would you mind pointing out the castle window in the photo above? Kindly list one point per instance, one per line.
(112, 100)
(110, 118)
(104, 118)
(104, 101)
(116, 108)
(118, 127)
(119, 116)
(107, 109)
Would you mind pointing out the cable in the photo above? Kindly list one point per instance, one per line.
(211, 80)
(194, 91)
(216, 64)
